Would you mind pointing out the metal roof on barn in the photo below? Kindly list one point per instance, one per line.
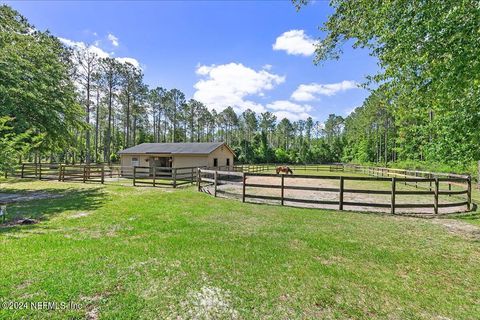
(174, 148)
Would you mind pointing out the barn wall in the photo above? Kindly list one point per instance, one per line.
(126, 160)
(221, 153)
(189, 161)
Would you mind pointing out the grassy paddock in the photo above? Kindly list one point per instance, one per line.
(123, 252)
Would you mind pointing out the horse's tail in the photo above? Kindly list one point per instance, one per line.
(290, 171)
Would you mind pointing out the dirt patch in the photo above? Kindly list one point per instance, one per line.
(20, 197)
(23, 222)
(459, 227)
(209, 303)
(79, 215)
(235, 191)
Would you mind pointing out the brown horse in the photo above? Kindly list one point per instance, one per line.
(283, 169)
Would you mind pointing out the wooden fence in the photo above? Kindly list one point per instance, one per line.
(163, 176)
(405, 173)
(155, 176)
(62, 172)
(214, 179)
(255, 168)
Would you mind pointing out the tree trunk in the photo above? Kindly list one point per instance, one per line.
(97, 125)
(87, 120)
(109, 126)
(127, 135)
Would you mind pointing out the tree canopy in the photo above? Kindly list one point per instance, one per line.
(424, 103)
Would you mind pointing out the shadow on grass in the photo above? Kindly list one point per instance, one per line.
(44, 204)
(470, 216)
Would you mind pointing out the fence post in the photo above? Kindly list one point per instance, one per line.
(394, 186)
(283, 189)
(84, 173)
(198, 180)
(449, 185)
(134, 174)
(192, 180)
(244, 179)
(174, 173)
(60, 173)
(23, 169)
(435, 203)
(469, 192)
(215, 183)
(154, 172)
(340, 198)
(40, 171)
(103, 174)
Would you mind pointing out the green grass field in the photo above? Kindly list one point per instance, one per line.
(120, 252)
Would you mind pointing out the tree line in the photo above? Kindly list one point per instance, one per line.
(80, 108)
(65, 104)
(424, 103)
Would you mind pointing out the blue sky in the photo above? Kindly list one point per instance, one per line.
(246, 54)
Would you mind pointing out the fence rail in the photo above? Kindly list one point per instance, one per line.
(258, 168)
(97, 173)
(164, 176)
(174, 177)
(214, 178)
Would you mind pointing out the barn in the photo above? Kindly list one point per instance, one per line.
(178, 155)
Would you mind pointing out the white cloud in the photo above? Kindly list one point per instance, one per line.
(71, 43)
(98, 51)
(350, 111)
(230, 85)
(286, 105)
(308, 92)
(290, 110)
(113, 39)
(132, 61)
(291, 116)
(81, 45)
(295, 42)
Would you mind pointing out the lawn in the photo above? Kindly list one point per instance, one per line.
(120, 252)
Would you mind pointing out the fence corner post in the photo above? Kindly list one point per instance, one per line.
(198, 180)
(154, 173)
(134, 174)
(469, 192)
(394, 187)
(435, 203)
(174, 173)
(244, 180)
(215, 177)
(340, 197)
